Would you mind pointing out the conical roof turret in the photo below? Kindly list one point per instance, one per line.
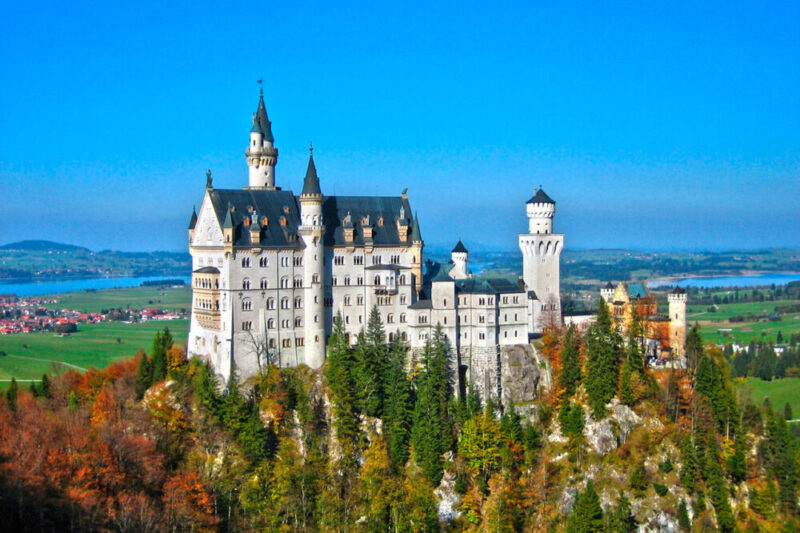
(193, 220)
(416, 235)
(311, 181)
(262, 120)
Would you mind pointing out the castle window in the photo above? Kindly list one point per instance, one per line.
(264, 283)
(505, 318)
(402, 279)
(515, 317)
(271, 323)
(315, 278)
(298, 322)
(347, 320)
(402, 318)
(298, 261)
(245, 262)
(359, 280)
(333, 281)
(391, 337)
(298, 303)
(516, 299)
(347, 281)
(270, 303)
(505, 334)
(358, 260)
(328, 301)
(285, 323)
(403, 336)
(376, 259)
(390, 318)
(377, 280)
(284, 282)
(445, 321)
(316, 319)
(338, 260)
(444, 302)
(247, 304)
(284, 303)
(481, 319)
(298, 283)
(360, 319)
(287, 343)
(284, 261)
(396, 259)
(402, 298)
(346, 300)
(245, 283)
(247, 325)
(263, 262)
(272, 343)
(299, 341)
(359, 300)
(482, 335)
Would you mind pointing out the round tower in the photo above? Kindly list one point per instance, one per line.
(677, 321)
(541, 255)
(459, 257)
(262, 156)
(312, 231)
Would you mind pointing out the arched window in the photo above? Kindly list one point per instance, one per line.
(315, 278)
(377, 280)
(271, 323)
(264, 283)
(390, 319)
(263, 262)
(298, 322)
(247, 304)
(284, 282)
(272, 343)
(246, 283)
(298, 303)
(245, 262)
(270, 303)
(402, 318)
(284, 303)
(402, 279)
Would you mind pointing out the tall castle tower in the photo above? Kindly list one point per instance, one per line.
(261, 153)
(541, 252)
(677, 321)
(311, 230)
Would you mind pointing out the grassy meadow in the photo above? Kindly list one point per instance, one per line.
(711, 322)
(167, 298)
(29, 355)
(779, 391)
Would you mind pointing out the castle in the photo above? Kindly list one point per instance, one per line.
(664, 336)
(271, 270)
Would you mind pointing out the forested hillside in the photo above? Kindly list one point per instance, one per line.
(369, 444)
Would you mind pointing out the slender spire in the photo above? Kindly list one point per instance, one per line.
(262, 119)
(193, 220)
(311, 181)
(416, 235)
(228, 222)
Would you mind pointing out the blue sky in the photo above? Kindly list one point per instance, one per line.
(657, 125)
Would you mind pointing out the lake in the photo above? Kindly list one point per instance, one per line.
(59, 286)
(767, 278)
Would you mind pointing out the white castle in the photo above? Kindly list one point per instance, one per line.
(271, 270)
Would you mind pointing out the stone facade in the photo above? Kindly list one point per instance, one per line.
(271, 270)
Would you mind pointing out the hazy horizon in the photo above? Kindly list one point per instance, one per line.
(653, 127)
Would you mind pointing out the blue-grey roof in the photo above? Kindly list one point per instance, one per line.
(193, 219)
(487, 286)
(263, 120)
(311, 181)
(540, 197)
(207, 270)
(274, 204)
(460, 248)
(637, 290)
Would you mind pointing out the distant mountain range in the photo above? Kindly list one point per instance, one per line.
(39, 259)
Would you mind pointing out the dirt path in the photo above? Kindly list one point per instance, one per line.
(76, 367)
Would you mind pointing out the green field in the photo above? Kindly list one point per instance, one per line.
(725, 311)
(712, 322)
(94, 345)
(171, 299)
(779, 391)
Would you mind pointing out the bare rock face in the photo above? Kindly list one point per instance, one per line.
(524, 375)
(607, 434)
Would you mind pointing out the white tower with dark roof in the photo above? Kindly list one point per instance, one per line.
(541, 254)
(261, 153)
(312, 231)
(459, 257)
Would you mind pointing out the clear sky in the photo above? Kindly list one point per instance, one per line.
(657, 125)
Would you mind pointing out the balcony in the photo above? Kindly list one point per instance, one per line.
(208, 318)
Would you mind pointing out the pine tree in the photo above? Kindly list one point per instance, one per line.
(159, 358)
(432, 431)
(11, 394)
(144, 375)
(683, 516)
(398, 408)
(602, 361)
(625, 390)
(717, 486)
(587, 514)
(570, 377)
(737, 465)
(44, 387)
(688, 474)
(371, 356)
(621, 519)
(694, 348)
(787, 411)
(342, 385)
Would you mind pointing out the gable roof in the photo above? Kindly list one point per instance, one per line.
(637, 290)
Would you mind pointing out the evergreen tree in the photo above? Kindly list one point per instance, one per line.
(787, 411)
(372, 355)
(587, 514)
(783, 460)
(11, 394)
(144, 374)
(737, 464)
(159, 358)
(570, 376)
(683, 516)
(602, 361)
(621, 519)
(717, 487)
(398, 408)
(625, 390)
(342, 385)
(44, 387)
(432, 431)
(694, 348)
(688, 474)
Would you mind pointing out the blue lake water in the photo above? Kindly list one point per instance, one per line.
(768, 278)
(59, 286)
